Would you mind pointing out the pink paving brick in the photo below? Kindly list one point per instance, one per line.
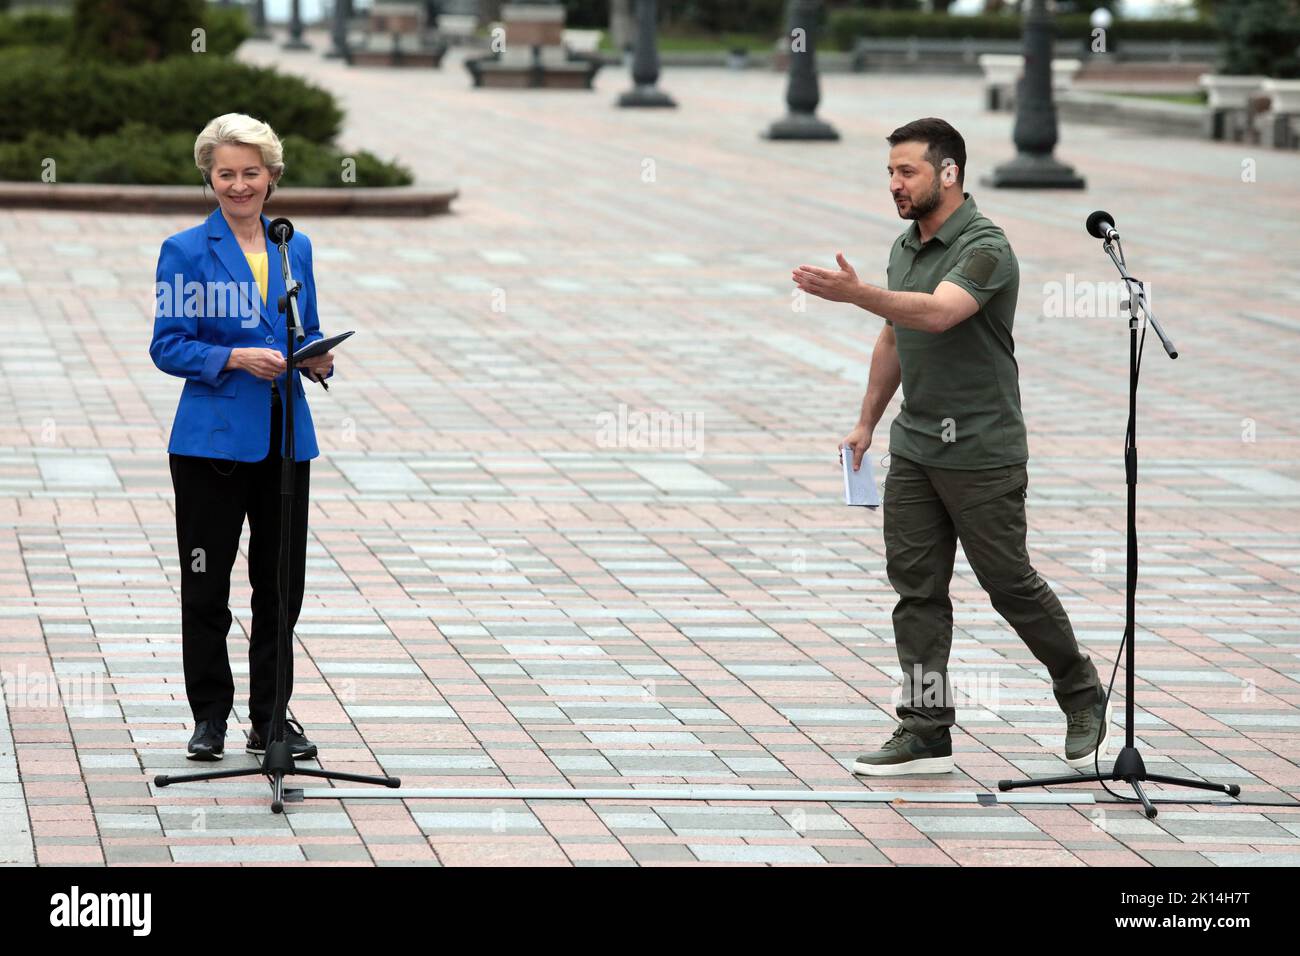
(544, 604)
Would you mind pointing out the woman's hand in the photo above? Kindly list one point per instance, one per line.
(264, 363)
(319, 366)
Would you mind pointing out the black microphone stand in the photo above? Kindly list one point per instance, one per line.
(278, 762)
(1128, 766)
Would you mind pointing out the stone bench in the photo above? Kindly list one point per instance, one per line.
(582, 42)
(396, 34)
(1281, 124)
(1002, 71)
(457, 28)
(534, 54)
(1234, 102)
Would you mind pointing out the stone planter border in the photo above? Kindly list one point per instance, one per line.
(341, 201)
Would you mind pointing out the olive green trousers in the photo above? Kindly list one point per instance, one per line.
(927, 510)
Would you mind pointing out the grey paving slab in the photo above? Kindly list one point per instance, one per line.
(593, 538)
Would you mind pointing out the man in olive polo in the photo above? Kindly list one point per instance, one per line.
(958, 450)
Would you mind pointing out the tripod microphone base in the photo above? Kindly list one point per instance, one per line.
(277, 764)
(1129, 769)
(1128, 764)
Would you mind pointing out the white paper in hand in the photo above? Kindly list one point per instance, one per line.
(860, 485)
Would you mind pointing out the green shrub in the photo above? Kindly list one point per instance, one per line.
(310, 164)
(913, 6)
(34, 28)
(120, 97)
(134, 31)
(711, 17)
(141, 154)
(722, 16)
(846, 26)
(732, 16)
(40, 93)
(586, 14)
(1260, 37)
(227, 28)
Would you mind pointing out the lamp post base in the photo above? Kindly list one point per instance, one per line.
(1030, 171)
(801, 126)
(646, 96)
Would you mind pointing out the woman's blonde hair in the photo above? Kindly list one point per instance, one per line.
(239, 129)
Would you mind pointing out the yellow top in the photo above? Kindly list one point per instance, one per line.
(257, 262)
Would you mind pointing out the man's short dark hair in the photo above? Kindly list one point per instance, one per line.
(942, 142)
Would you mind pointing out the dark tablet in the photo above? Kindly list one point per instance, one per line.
(319, 347)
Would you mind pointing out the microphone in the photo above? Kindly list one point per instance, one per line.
(1099, 224)
(281, 230)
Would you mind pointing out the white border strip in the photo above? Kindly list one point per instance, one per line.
(16, 846)
(692, 793)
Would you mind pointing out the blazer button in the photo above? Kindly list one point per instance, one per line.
(270, 340)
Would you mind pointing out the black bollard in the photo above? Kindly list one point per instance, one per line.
(1035, 131)
(645, 62)
(260, 32)
(295, 41)
(802, 91)
(339, 30)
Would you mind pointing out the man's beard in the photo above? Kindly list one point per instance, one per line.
(923, 206)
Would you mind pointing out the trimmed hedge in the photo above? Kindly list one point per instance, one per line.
(133, 31)
(34, 28)
(689, 17)
(38, 93)
(227, 28)
(73, 91)
(138, 153)
(846, 26)
(1261, 37)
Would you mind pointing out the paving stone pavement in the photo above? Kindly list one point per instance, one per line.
(576, 519)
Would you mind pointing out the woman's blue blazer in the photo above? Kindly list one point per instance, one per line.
(207, 303)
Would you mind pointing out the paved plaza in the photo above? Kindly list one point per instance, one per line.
(577, 519)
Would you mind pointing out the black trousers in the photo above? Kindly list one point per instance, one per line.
(213, 496)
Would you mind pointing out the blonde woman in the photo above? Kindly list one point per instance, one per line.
(218, 327)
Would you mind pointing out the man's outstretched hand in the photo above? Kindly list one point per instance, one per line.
(834, 285)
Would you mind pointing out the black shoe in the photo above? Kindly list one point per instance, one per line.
(906, 753)
(1087, 732)
(303, 749)
(209, 740)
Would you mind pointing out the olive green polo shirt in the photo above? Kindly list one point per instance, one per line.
(961, 387)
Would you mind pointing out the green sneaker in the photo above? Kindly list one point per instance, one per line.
(906, 753)
(1087, 730)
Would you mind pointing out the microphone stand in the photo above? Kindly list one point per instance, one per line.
(1128, 766)
(278, 762)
